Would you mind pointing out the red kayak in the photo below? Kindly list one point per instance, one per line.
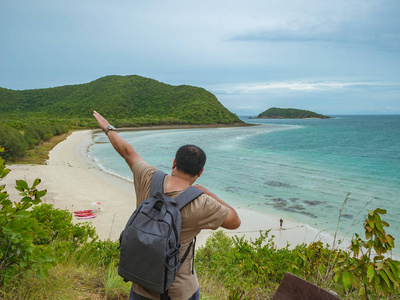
(83, 211)
(84, 214)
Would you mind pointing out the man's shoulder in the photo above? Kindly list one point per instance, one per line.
(205, 206)
(141, 167)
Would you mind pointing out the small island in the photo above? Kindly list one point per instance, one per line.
(289, 113)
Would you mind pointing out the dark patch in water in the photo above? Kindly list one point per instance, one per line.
(292, 209)
(278, 184)
(297, 207)
(312, 203)
(282, 204)
(279, 202)
(231, 189)
(346, 216)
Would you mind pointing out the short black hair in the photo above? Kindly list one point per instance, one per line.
(190, 159)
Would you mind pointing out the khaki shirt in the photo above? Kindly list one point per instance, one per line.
(203, 213)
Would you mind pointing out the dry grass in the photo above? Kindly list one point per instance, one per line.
(213, 289)
(66, 282)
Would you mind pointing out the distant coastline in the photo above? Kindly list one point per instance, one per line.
(289, 113)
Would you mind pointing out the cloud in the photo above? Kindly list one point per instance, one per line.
(359, 23)
(296, 86)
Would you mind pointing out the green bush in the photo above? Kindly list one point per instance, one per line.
(36, 236)
(12, 141)
(368, 270)
(244, 266)
(18, 230)
(64, 236)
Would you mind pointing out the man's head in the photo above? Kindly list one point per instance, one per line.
(190, 159)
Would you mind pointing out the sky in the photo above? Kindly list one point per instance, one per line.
(332, 57)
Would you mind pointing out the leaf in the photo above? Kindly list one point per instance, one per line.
(371, 224)
(36, 182)
(370, 272)
(22, 185)
(390, 240)
(41, 193)
(385, 224)
(36, 201)
(391, 277)
(346, 279)
(395, 272)
(378, 286)
(385, 277)
(337, 276)
(26, 199)
(380, 211)
(395, 263)
(378, 223)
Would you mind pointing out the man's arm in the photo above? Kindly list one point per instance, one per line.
(120, 145)
(232, 221)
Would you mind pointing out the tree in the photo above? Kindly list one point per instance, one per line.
(12, 141)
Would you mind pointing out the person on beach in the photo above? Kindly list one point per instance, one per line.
(280, 222)
(205, 212)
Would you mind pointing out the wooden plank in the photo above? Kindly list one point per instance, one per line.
(293, 287)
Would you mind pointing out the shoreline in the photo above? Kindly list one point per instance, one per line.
(73, 182)
(179, 126)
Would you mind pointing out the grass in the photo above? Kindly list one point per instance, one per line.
(68, 282)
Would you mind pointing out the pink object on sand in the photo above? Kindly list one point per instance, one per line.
(88, 216)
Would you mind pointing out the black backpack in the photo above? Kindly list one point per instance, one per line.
(149, 244)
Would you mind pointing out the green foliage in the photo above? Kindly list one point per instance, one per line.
(314, 262)
(18, 230)
(35, 132)
(13, 141)
(289, 113)
(63, 236)
(135, 99)
(244, 266)
(368, 270)
(35, 236)
(249, 269)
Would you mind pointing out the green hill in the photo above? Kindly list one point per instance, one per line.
(289, 113)
(126, 100)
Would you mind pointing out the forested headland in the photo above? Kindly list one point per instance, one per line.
(289, 113)
(28, 117)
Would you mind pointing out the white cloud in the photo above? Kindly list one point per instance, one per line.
(294, 86)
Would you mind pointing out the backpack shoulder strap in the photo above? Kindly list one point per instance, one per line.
(157, 181)
(187, 196)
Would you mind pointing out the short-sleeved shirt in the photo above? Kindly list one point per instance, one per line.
(202, 213)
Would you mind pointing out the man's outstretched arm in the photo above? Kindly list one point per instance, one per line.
(232, 221)
(120, 145)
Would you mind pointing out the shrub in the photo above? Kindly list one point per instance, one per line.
(12, 141)
(368, 270)
(18, 230)
(245, 267)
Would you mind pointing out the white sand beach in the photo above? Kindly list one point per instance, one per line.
(74, 182)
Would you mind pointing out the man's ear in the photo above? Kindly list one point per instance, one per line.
(174, 164)
(201, 172)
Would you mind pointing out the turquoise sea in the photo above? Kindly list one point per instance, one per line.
(297, 169)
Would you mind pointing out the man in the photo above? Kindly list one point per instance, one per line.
(205, 212)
